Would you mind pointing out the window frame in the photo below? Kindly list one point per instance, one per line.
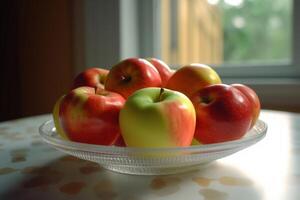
(274, 70)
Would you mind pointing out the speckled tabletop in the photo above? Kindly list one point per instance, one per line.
(270, 169)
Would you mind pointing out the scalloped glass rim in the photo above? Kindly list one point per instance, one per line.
(51, 137)
(133, 160)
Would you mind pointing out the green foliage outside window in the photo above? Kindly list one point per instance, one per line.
(257, 31)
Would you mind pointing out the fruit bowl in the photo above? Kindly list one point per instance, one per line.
(151, 161)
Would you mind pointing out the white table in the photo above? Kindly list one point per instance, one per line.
(270, 169)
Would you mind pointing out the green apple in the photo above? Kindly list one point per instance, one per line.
(157, 117)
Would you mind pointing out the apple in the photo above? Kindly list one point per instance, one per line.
(130, 75)
(157, 117)
(191, 78)
(92, 77)
(253, 98)
(55, 115)
(90, 115)
(163, 69)
(120, 142)
(223, 114)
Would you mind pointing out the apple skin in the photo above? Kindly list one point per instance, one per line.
(223, 114)
(163, 69)
(191, 78)
(55, 115)
(155, 117)
(253, 98)
(120, 142)
(130, 75)
(90, 115)
(92, 77)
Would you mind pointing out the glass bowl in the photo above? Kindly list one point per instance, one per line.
(151, 161)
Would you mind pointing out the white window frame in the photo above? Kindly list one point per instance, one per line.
(107, 31)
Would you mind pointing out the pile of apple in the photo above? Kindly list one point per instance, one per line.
(143, 103)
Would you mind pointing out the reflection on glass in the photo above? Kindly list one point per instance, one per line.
(226, 31)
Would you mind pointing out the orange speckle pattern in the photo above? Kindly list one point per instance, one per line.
(164, 186)
(45, 177)
(31, 169)
(202, 181)
(90, 168)
(104, 190)
(211, 194)
(7, 170)
(71, 159)
(232, 181)
(72, 188)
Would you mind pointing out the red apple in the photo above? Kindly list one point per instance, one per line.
(120, 142)
(223, 114)
(191, 78)
(92, 77)
(163, 69)
(91, 115)
(253, 98)
(130, 75)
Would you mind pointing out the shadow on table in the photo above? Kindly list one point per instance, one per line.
(70, 177)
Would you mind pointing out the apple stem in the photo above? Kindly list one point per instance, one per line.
(126, 79)
(96, 89)
(100, 91)
(160, 94)
(206, 99)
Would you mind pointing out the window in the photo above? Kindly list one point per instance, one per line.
(226, 32)
(241, 38)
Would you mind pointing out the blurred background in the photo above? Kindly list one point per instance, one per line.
(44, 44)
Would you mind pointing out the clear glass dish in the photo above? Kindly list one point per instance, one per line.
(151, 161)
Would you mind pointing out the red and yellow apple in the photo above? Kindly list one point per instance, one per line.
(92, 77)
(89, 115)
(223, 114)
(253, 98)
(130, 75)
(156, 117)
(191, 78)
(55, 115)
(164, 70)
